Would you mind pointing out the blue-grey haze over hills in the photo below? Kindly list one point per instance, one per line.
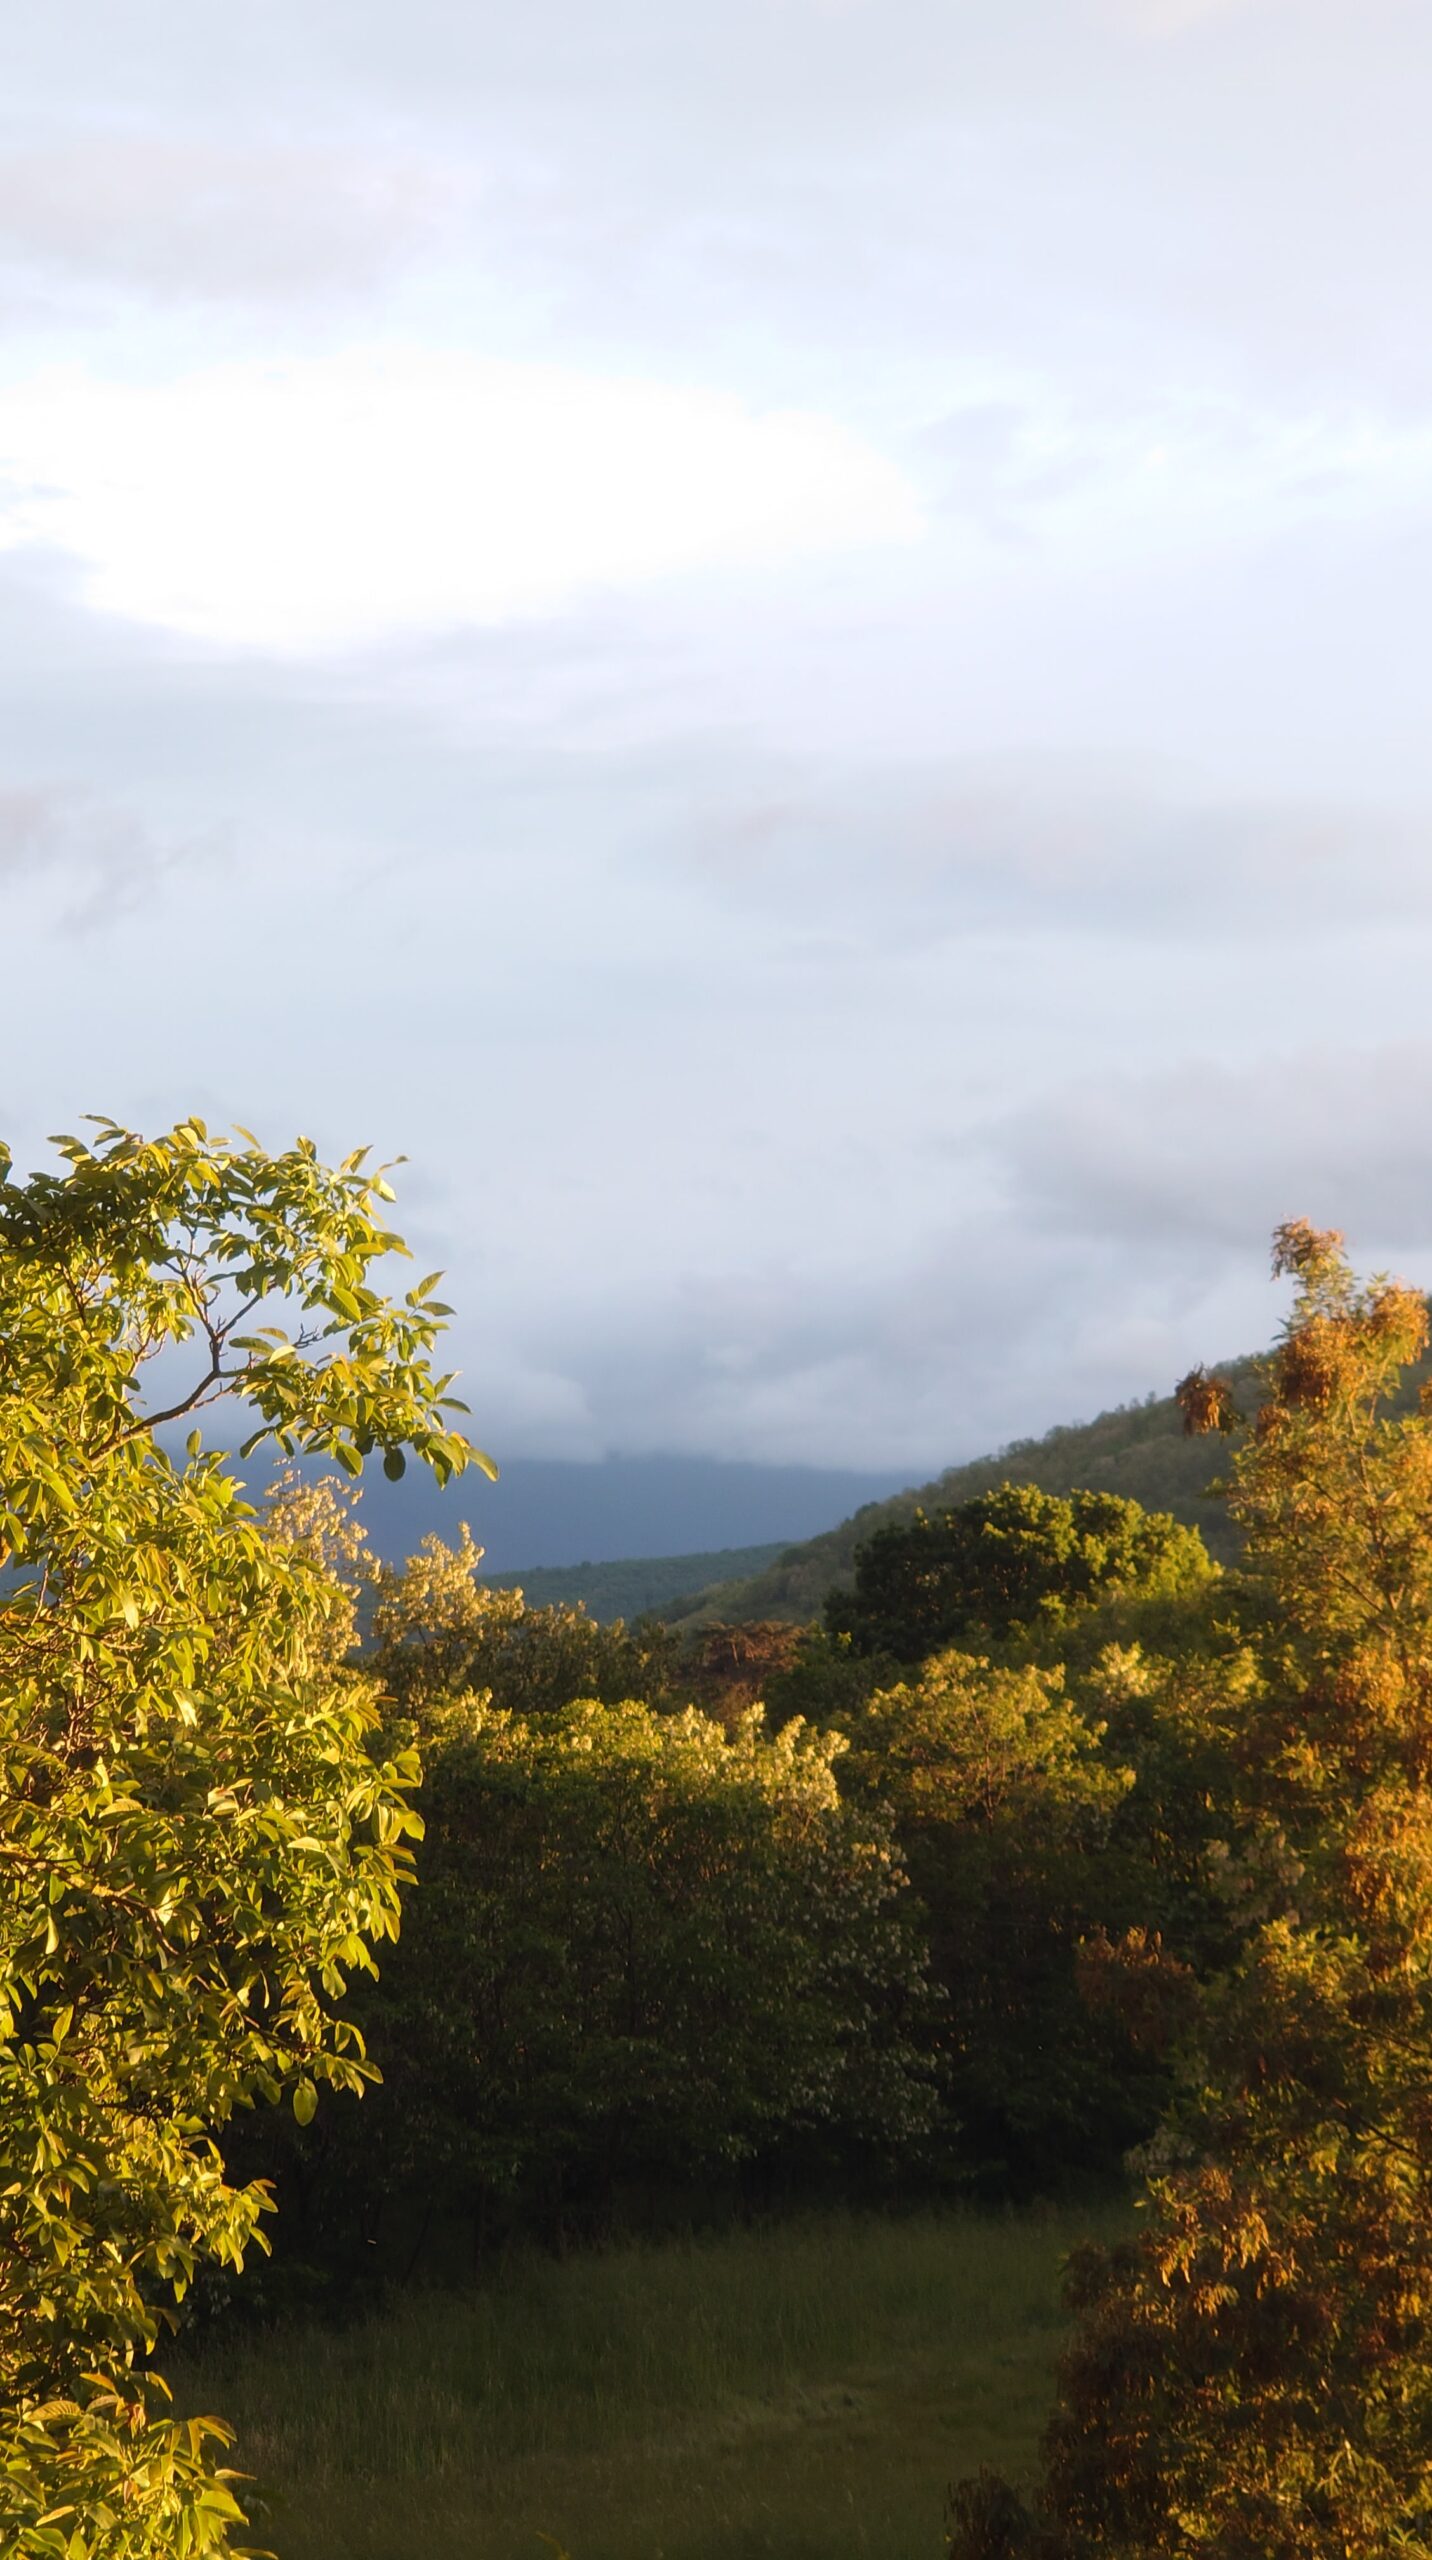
(555, 1512)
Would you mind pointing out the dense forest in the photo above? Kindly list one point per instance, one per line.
(373, 1938)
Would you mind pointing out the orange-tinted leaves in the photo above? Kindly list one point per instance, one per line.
(1206, 1403)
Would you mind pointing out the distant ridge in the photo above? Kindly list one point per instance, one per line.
(638, 1586)
(1136, 1449)
(572, 1513)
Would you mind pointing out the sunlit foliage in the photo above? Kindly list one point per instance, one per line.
(643, 1948)
(439, 1632)
(1014, 1558)
(1254, 2375)
(198, 1839)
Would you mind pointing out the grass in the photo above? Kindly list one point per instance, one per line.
(805, 2393)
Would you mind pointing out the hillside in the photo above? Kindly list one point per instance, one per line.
(635, 1586)
(1138, 1449)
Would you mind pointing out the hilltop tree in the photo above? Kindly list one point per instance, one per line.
(1015, 1558)
(199, 1840)
(1254, 2373)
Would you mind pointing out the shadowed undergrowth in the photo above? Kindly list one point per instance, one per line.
(807, 2392)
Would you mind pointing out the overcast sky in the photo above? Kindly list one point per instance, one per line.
(787, 639)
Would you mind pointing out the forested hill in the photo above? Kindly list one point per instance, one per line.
(632, 1587)
(1138, 1449)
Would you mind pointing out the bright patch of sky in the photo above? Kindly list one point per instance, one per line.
(785, 639)
(322, 504)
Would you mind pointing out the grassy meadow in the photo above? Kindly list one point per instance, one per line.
(806, 2391)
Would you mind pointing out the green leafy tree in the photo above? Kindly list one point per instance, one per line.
(643, 1947)
(1254, 2373)
(439, 1632)
(825, 1681)
(1005, 1805)
(1013, 1559)
(199, 1840)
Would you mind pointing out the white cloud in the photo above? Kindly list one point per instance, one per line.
(1168, 17)
(208, 214)
(103, 858)
(859, 1001)
(1210, 1158)
(328, 502)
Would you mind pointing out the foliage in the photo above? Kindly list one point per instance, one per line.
(1174, 1719)
(1014, 1558)
(727, 1669)
(642, 1946)
(1005, 1806)
(1255, 2374)
(439, 1632)
(197, 1842)
(825, 1681)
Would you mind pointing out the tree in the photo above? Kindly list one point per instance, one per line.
(1012, 1559)
(198, 1841)
(1005, 1805)
(643, 1947)
(439, 1632)
(728, 1669)
(1254, 2373)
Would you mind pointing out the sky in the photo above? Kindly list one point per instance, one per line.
(785, 640)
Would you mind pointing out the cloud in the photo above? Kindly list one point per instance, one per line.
(184, 215)
(1170, 17)
(898, 852)
(824, 720)
(104, 860)
(1113, 1233)
(1211, 1157)
(314, 505)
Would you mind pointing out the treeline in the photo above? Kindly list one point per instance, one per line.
(764, 1912)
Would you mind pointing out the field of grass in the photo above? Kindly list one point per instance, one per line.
(801, 2393)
